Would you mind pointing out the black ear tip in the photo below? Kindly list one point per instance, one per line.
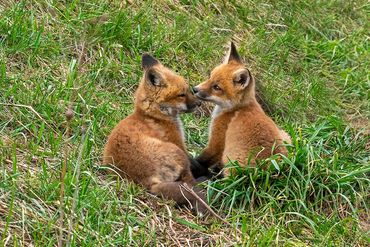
(145, 55)
(233, 48)
(234, 55)
(148, 61)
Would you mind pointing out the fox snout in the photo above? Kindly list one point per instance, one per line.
(200, 94)
(192, 102)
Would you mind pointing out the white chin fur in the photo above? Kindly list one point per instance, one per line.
(182, 107)
(173, 111)
(214, 99)
(221, 103)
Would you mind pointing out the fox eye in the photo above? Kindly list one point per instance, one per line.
(181, 95)
(216, 87)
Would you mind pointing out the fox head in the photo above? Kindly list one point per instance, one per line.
(229, 85)
(163, 91)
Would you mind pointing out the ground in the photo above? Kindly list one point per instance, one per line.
(310, 59)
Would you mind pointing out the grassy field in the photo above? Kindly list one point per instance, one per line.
(311, 61)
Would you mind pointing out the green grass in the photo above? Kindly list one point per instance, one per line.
(310, 61)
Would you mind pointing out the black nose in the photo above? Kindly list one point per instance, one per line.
(195, 90)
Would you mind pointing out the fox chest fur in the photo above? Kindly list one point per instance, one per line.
(248, 134)
(136, 144)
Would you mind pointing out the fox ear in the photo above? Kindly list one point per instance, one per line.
(153, 77)
(242, 78)
(233, 54)
(147, 61)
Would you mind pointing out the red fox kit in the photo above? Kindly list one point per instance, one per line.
(148, 147)
(240, 130)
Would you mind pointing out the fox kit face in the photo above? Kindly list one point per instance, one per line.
(163, 90)
(230, 84)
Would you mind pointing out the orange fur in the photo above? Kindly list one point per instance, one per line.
(240, 130)
(148, 146)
